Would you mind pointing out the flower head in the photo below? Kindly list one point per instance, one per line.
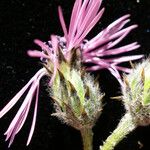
(85, 14)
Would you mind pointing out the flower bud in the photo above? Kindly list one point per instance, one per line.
(136, 93)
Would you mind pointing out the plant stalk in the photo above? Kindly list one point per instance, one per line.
(87, 138)
(125, 126)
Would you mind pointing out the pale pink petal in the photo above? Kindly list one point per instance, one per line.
(74, 15)
(24, 104)
(12, 132)
(34, 117)
(95, 68)
(35, 110)
(54, 44)
(23, 111)
(23, 117)
(122, 49)
(124, 69)
(109, 38)
(117, 25)
(74, 21)
(19, 94)
(124, 59)
(62, 21)
(115, 51)
(35, 53)
(116, 74)
(118, 40)
(111, 29)
(89, 16)
(120, 33)
(43, 46)
(88, 29)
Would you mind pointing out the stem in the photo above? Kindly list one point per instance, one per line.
(87, 138)
(125, 126)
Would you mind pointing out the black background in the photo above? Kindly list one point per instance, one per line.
(21, 21)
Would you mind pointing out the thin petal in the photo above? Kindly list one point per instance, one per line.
(116, 74)
(35, 53)
(101, 52)
(124, 69)
(43, 46)
(18, 95)
(24, 104)
(74, 15)
(124, 59)
(62, 21)
(110, 38)
(88, 29)
(88, 18)
(34, 117)
(118, 24)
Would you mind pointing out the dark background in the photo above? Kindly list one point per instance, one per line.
(21, 21)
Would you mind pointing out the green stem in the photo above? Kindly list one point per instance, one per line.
(125, 126)
(87, 138)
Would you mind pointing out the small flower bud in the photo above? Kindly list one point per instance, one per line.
(136, 93)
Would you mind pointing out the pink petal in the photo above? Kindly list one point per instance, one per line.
(118, 24)
(24, 104)
(62, 21)
(74, 15)
(23, 111)
(12, 132)
(89, 16)
(19, 94)
(112, 37)
(88, 29)
(100, 52)
(124, 59)
(116, 74)
(124, 69)
(122, 32)
(35, 53)
(43, 46)
(74, 21)
(34, 117)
(118, 40)
(54, 44)
(95, 68)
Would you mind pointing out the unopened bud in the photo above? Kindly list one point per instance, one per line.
(136, 93)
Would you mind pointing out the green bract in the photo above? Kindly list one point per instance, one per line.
(77, 96)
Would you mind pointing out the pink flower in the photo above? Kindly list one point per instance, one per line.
(85, 15)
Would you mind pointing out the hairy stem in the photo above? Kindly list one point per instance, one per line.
(125, 126)
(87, 138)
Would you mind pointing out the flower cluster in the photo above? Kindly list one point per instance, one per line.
(85, 15)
